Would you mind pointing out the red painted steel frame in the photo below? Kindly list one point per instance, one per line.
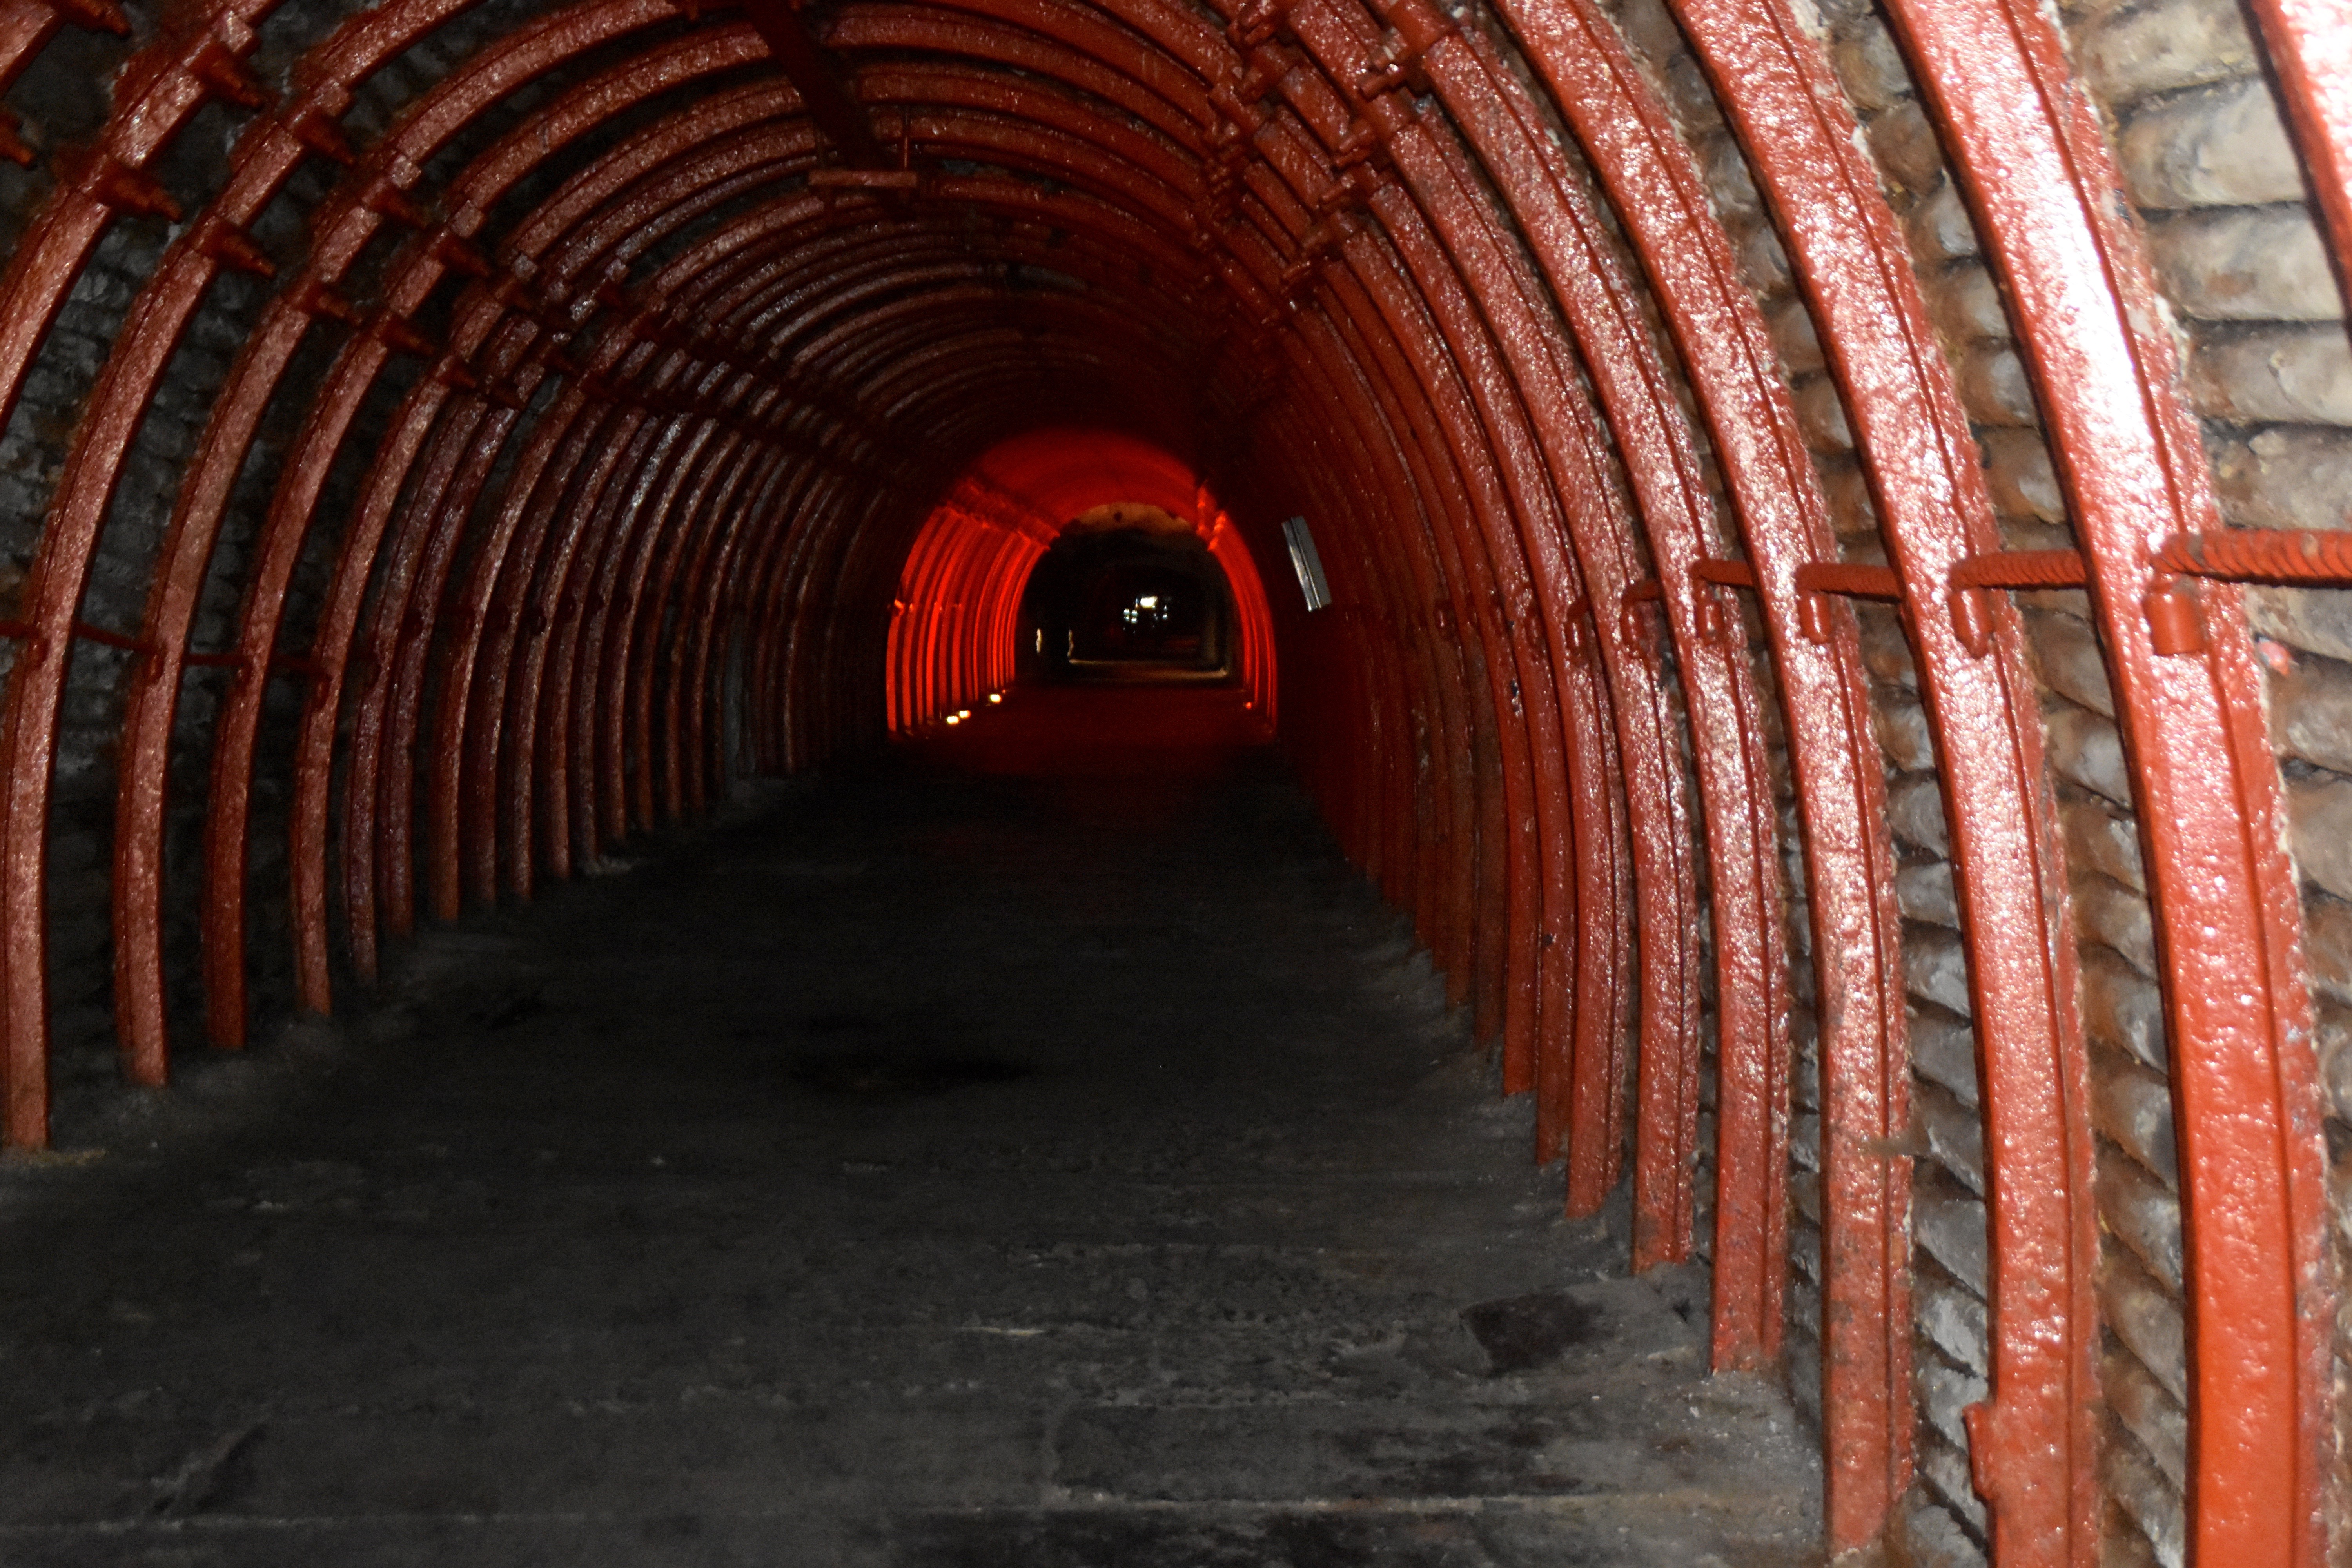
(2041, 1428)
(2034, 160)
(629, 517)
(156, 93)
(1841, 791)
(1636, 396)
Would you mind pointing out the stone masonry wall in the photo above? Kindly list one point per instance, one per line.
(2218, 190)
(1949, 1271)
(2261, 321)
(2209, 167)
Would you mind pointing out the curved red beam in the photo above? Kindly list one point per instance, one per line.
(1751, 421)
(2033, 160)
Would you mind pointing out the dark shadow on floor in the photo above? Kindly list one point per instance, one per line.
(930, 1169)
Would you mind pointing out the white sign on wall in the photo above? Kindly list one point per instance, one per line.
(1306, 562)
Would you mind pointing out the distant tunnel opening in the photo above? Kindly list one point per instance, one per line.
(1071, 554)
(1123, 601)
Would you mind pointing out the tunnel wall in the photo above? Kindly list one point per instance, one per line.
(1787, 475)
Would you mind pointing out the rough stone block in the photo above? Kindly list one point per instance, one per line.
(1944, 1391)
(2101, 839)
(1804, 1084)
(2133, 1106)
(1944, 1051)
(2146, 1321)
(2020, 475)
(1994, 388)
(2122, 1009)
(1955, 1136)
(2108, 913)
(1901, 725)
(1937, 1540)
(1805, 1258)
(2327, 945)
(2143, 1215)
(2067, 651)
(2332, 1039)
(1871, 67)
(2163, 47)
(1937, 967)
(2083, 749)
(2217, 146)
(1853, 514)
(1821, 414)
(2319, 830)
(1837, 16)
(1939, 227)
(2245, 264)
(1804, 1359)
(1952, 1226)
(2295, 374)
(1730, 185)
(1903, 144)
(1763, 262)
(1792, 334)
(1946, 1471)
(2311, 711)
(2317, 619)
(2141, 1491)
(2149, 1414)
(1688, 93)
(2121, 1545)
(1886, 652)
(1650, 31)
(1914, 811)
(1925, 894)
(1805, 1194)
(1957, 1323)
(2287, 479)
(1966, 304)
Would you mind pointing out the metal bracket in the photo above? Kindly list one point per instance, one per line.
(1817, 580)
(1974, 576)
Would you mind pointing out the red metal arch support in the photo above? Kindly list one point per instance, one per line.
(2034, 160)
(1751, 421)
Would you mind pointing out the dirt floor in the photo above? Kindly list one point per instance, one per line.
(1067, 1163)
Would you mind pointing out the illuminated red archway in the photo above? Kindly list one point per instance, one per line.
(955, 620)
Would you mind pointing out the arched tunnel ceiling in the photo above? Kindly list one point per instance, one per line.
(443, 439)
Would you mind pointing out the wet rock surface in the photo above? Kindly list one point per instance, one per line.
(921, 1170)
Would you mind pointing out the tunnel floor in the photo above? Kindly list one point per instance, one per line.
(1037, 1161)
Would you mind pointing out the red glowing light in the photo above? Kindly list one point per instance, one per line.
(956, 619)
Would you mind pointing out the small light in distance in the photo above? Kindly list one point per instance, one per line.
(995, 697)
(964, 713)
(955, 718)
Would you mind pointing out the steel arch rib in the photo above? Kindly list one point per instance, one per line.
(2032, 159)
(1655, 185)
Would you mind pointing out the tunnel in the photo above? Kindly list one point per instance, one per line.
(1798, 544)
